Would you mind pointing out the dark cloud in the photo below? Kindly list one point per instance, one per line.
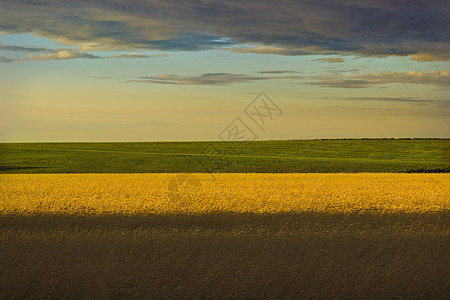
(418, 28)
(207, 79)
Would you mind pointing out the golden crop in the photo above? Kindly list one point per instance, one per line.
(97, 194)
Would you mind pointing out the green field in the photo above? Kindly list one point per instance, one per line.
(321, 156)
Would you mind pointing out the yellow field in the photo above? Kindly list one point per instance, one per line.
(131, 194)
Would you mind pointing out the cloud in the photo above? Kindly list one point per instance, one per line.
(99, 77)
(269, 50)
(416, 28)
(331, 60)
(419, 101)
(216, 79)
(23, 49)
(440, 79)
(276, 72)
(137, 55)
(434, 53)
(330, 81)
(59, 55)
(425, 57)
(6, 59)
(64, 53)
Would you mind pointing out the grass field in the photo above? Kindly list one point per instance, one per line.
(228, 236)
(303, 156)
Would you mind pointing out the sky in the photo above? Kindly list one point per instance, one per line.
(176, 70)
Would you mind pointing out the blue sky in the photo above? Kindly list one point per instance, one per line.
(182, 70)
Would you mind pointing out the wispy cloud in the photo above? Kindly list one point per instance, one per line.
(100, 77)
(331, 60)
(46, 53)
(59, 55)
(419, 29)
(439, 79)
(6, 59)
(43, 53)
(136, 55)
(269, 50)
(207, 79)
(408, 100)
(277, 72)
(14, 48)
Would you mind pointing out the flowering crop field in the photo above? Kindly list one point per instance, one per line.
(365, 235)
(131, 194)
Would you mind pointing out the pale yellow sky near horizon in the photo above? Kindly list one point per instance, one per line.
(184, 71)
